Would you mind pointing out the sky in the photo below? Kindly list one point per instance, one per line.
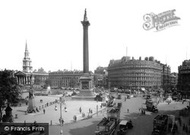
(54, 33)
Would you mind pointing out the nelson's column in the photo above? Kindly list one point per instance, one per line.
(86, 79)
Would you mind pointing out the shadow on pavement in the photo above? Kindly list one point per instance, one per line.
(143, 124)
(85, 130)
(87, 127)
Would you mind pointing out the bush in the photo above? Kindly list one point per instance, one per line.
(98, 98)
(74, 93)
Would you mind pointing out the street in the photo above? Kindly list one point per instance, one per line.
(143, 124)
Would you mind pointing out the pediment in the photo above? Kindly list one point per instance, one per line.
(20, 73)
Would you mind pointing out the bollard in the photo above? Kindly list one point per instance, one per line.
(75, 118)
(61, 132)
(97, 109)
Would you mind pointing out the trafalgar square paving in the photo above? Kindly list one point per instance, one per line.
(143, 124)
(70, 108)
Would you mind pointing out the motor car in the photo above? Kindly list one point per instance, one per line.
(124, 125)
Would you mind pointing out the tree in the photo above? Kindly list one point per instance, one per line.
(9, 89)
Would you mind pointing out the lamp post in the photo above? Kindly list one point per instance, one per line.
(61, 118)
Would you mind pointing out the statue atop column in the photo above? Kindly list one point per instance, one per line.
(85, 16)
(86, 84)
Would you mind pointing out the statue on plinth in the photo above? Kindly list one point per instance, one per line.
(31, 101)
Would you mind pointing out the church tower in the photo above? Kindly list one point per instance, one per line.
(27, 68)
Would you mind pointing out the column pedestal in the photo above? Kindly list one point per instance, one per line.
(86, 89)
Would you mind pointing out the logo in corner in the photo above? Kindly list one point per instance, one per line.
(160, 21)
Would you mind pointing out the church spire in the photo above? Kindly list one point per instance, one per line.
(26, 61)
(26, 47)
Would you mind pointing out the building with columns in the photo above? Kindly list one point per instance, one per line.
(133, 73)
(25, 76)
(65, 78)
(40, 76)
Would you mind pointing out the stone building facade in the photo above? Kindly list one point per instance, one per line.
(135, 73)
(25, 76)
(65, 79)
(173, 80)
(101, 77)
(184, 78)
(166, 77)
(40, 76)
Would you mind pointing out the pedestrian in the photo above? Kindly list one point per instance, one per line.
(127, 110)
(80, 110)
(175, 127)
(37, 109)
(89, 110)
(75, 118)
(180, 121)
(186, 129)
(62, 121)
(65, 109)
(55, 107)
(44, 111)
(183, 101)
(183, 127)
